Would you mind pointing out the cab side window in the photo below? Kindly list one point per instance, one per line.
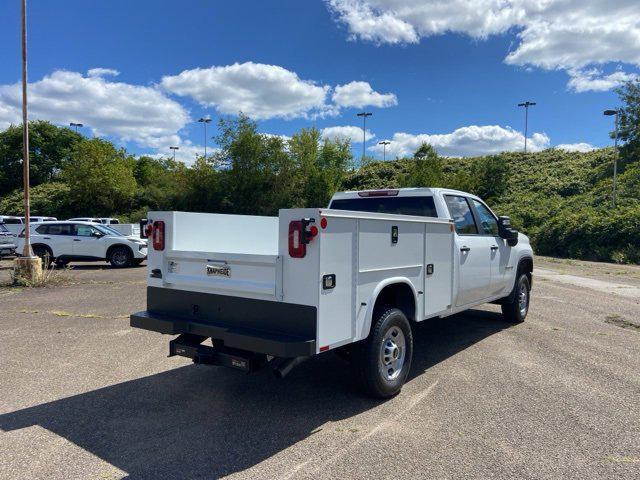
(488, 223)
(43, 229)
(461, 213)
(59, 229)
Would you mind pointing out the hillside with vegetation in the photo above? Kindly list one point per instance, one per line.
(562, 200)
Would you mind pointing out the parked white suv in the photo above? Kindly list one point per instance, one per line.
(7, 242)
(84, 241)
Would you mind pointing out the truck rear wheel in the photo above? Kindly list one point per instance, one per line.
(384, 359)
(516, 310)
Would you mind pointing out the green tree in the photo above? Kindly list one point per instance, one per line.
(257, 171)
(489, 177)
(49, 148)
(425, 170)
(321, 166)
(629, 126)
(50, 199)
(100, 178)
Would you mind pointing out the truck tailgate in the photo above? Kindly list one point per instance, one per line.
(258, 276)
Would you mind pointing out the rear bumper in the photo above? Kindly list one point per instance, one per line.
(278, 345)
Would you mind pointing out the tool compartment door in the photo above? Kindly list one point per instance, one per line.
(439, 243)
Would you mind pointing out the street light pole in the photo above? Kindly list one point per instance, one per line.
(364, 116)
(76, 126)
(204, 121)
(26, 251)
(526, 106)
(174, 152)
(616, 114)
(384, 144)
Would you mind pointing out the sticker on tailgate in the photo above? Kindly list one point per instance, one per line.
(219, 270)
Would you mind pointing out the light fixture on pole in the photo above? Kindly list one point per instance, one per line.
(526, 106)
(384, 144)
(616, 114)
(174, 152)
(364, 116)
(204, 121)
(76, 126)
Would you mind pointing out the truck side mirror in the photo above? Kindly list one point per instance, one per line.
(507, 232)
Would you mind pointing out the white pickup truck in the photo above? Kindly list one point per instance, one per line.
(351, 278)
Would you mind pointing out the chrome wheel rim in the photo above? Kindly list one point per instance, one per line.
(392, 354)
(523, 298)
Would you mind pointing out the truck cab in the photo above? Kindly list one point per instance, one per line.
(352, 278)
(485, 260)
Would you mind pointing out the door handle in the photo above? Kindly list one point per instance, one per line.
(494, 248)
(465, 249)
(77, 240)
(47, 238)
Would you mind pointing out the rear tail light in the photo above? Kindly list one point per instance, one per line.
(157, 235)
(297, 246)
(300, 233)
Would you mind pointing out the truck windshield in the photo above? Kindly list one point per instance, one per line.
(419, 206)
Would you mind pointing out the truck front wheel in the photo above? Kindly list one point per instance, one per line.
(384, 359)
(516, 310)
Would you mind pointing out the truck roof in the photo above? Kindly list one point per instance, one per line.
(401, 192)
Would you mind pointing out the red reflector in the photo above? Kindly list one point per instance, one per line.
(323, 223)
(325, 348)
(297, 248)
(313, 230)
(158, 235)
(378, 193)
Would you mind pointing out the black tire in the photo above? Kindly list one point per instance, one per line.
(61, 262)
(379, 353)
(45, 254)
(516, 310)
(137, 262)
(120, 257)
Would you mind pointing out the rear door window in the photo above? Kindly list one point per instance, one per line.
(460, 211)
(57, 229)
(418, 206)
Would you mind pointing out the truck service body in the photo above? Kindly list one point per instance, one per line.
(351, 278)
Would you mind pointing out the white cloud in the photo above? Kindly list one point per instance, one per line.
(258, 90)
(465, 141)
(576, 147)
(128, 112)
(347, 132)
(551, 34)
(594, 80)
(360, 95)
(102, 72)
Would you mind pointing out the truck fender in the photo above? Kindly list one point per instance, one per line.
(365, 328)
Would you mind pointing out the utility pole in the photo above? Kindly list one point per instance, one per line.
(616, 114)
(174, 152)
(364, 116)
(26, 251)
(204, 121)
(384, 144)
(76, 126)
(526, 106)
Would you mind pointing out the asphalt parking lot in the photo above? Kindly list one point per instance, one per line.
(85, 396)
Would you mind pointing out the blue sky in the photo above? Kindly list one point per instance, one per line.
(428, 72)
